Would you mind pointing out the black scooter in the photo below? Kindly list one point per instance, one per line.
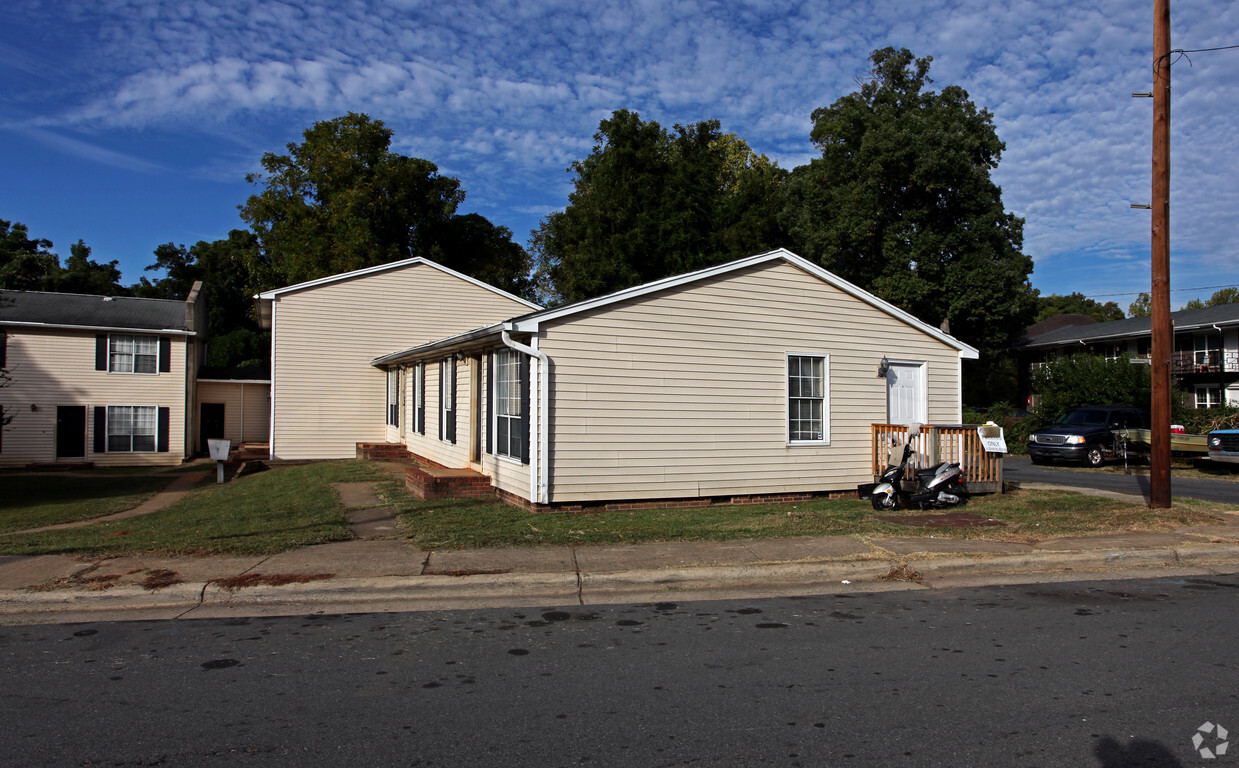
(937, 487)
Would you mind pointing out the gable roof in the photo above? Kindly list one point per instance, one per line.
(1226, 315)
(530, 323)
(265, 298)
(81, 311)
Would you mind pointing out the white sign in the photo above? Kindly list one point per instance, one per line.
(991, 438)
(219, 449)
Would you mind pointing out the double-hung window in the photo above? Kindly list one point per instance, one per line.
(131, 428)
(1208, 397)
(393, 397)
(447, 399)
(133, 354)
(510, 403)
(419, 398)
(808, 407)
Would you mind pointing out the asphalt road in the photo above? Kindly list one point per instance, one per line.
(1020, 468)
(1092, 674)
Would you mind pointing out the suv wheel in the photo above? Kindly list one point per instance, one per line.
(1095, 457)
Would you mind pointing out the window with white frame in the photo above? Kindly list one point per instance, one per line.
(447, 400)
(1208, 397)
(1207, 349)
(1114, 351)
(131, 428)
(393, 397)
(419, 398)
(133, 354)
(509, 409)
(808, 413)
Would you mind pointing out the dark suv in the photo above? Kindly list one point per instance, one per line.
(1085, 434)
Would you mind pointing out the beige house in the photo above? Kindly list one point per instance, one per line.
(758, 377)
(325, 396)
(96, 379)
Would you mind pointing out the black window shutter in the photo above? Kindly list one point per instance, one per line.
(1, 429)
(165, 425)
(490, 401)
(4, 348)
(451, 415)
(101, 426)
(523, 429)
(442, 395)
(165, 354)
(101, 352)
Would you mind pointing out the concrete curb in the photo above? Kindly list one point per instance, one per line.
(435, 592)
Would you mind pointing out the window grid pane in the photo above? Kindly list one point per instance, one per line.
(132, 428)
(806, 381)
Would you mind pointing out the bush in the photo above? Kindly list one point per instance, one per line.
(1084, 379)
(1201, 421)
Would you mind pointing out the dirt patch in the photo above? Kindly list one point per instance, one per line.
(468, 572)
(902, 572)
(158, 578)
(233, 583)
(947, 520)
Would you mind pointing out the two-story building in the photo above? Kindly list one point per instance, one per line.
(1205, 361)
(99, 380)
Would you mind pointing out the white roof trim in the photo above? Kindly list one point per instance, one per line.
(110, 328)
(277, 292)
(531, 323)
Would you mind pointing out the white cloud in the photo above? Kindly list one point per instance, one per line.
(507, 94)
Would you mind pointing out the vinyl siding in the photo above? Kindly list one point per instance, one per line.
(326, 395)
(247, 408)
(683, 393)
(53, 368)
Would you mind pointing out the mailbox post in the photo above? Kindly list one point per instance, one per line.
(219, 452)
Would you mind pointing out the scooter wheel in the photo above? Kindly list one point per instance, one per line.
(884, 502)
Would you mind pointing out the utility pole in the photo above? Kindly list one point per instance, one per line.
(1163, 333)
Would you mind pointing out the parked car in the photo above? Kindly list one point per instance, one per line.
(1085, 435)
(1224, 446)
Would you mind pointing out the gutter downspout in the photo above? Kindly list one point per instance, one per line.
(1221, 369)
(541, 465)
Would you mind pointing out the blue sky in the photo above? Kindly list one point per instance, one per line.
(130, 123)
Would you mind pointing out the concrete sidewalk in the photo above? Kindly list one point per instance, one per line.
(369, 575)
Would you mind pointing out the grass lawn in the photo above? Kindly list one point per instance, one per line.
(264, 513)
(1030, 516)
(32, 501)
(289, 507)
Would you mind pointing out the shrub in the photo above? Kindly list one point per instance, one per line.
(1084, 379)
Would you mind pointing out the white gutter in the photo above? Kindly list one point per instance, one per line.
(539, 465)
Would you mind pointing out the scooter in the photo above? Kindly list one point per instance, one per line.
(937, 487)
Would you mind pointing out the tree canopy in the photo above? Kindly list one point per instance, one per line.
(342, 200)
(901, 202)
(648, 203)
(1076, 304)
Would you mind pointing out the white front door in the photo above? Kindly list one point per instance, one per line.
(905, 394)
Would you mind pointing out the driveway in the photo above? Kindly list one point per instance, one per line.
(1019, 468)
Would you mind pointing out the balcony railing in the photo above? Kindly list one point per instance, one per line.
(1182, 363)
(1212, 361)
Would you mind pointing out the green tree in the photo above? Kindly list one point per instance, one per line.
(1085, 379)
(1223, 297)
(82, 274)
(342, 200)
(648, 203)
(25, 262)
(223, 266)
(1076, 304)
(1194, 304)
(1141, 307)
(901, 203)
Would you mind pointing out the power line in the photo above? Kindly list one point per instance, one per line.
(1173, 290)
